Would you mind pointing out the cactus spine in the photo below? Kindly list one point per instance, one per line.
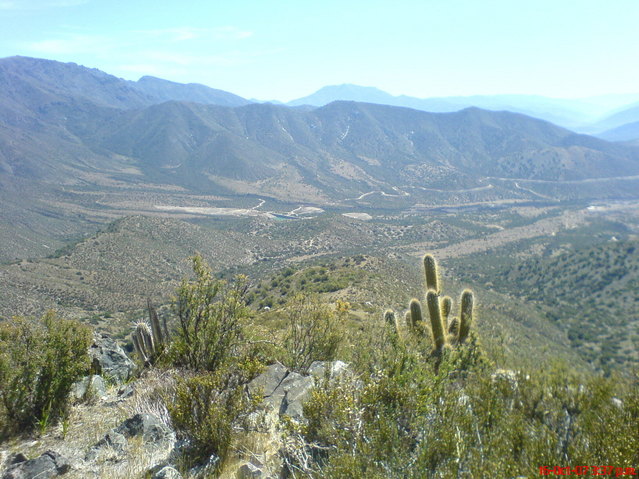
(430, 270)
(466, 314)
(436, 325)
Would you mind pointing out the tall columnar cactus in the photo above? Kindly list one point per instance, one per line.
(143, 343)
(156, 328)
(430, 270)
(466, 315)
(444, 329)
(391, 319)
(446, 307)
(416, 317)
(436, 325)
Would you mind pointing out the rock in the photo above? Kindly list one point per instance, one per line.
(109, 359)
(249, 471)
(269, 380)
(167, 472)
(115, 441)
(50, 464)
(158, 439)
(285, 391)
(17, 458)
(335, 368)
(126, 391)
(88, 387)
(145, 425)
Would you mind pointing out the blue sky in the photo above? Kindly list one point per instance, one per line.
(288, 49)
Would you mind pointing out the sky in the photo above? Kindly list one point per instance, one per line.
(282, 50)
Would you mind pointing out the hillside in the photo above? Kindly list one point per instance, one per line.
(80, 148)
(589, 292)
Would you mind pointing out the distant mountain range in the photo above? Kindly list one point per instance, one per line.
(583, 115)
(74, 139)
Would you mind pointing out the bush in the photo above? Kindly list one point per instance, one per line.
(313, 332)
(210, 314)
(204, 411)
(405, 420)
(39, 361)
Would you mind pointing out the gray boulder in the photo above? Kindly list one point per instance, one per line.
(155, 435)
(285, 391)
(113, 441)
(88, 387)
(146, 425)
(50, 464)
(109, 359)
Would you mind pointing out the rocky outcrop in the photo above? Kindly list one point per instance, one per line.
(284, 391)
(50, 464)
(156, 437)
(89, 387)
(109, 359)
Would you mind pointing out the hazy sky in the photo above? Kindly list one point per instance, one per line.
(288, 49)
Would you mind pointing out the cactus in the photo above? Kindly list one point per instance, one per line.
(408, 320)
(444, 329)
(391, 319)
(139, 350)
(430, 270)
(436, 325)
(416, 318)
(156, 329)
(149, 343)
(466, 315)
(453, 328)
(446, 306)
(143, 343)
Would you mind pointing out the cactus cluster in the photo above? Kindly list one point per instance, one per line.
(443, 332)
(150, 342)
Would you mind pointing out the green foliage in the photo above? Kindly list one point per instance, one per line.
(39, 361)
(313, 330)
(400, 418)
(205, 409)
(210, 315)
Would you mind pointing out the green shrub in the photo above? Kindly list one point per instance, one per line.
(405, 420)
(313, 330)
(210, 315)
(39, 361)
(204, 411)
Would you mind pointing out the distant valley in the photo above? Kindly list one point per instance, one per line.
(79, 148)
(107, 186)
